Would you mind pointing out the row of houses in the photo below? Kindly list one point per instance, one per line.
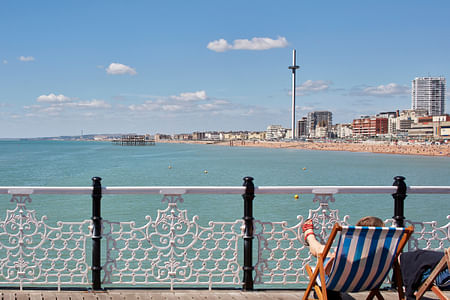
(408, 123)
(401, 125)
(214, 136)
(405, 124)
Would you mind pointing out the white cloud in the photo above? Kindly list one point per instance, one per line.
(391, 89)
(119, 69)
(260, 44)
(219, 46)
(52, 98)
(52, 110)
(32, 107)
(26, 58)
(195, 96)
(311, 86)
(189, 102)
(5, 61)
(172, 107)
(256, 43)
(55, 105)
(215, 105)
(160, 105)
(95, 104)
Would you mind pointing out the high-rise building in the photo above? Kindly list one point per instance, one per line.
(429, 93)
(319, 119)
(302, 127)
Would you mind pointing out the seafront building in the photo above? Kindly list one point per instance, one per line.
(275, 132)
(429, 93)
(367, 126)
(400, 125)
(302, 128)
(344, 131)
(435, 126)
(318, 123)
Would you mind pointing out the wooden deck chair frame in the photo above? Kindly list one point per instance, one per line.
(429, 282)
(322, 292)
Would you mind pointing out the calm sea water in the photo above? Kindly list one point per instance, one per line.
(57, 163)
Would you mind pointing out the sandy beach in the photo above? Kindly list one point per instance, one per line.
(403, 149)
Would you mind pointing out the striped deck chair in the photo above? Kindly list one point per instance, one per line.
(363, 258)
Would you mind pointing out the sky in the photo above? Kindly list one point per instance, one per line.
(68, 67)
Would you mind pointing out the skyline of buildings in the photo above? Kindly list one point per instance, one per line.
(400, 125)
(427, 107)
(426, 119)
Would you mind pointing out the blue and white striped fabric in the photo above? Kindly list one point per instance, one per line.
(363, 258)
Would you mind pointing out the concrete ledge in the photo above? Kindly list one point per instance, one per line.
(139, 294)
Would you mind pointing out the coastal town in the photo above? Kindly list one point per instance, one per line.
(424, 129)
(426, 121)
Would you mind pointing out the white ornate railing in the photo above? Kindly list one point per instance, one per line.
(32, 252)
(172, 249)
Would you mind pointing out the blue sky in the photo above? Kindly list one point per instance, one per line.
(184, 66)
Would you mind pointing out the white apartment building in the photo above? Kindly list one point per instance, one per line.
(429, 93)
(321, 132)
(275, 132)
(214, 136)
(344, 130)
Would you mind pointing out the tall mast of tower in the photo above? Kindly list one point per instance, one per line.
(294, 67)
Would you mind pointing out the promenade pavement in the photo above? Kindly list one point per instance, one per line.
(140, 294)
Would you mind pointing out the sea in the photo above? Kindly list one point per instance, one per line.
(74, 163)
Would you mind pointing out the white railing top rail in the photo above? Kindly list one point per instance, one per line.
(181, 190)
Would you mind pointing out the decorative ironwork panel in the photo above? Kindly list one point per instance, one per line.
(172, 250)
(32, 252)
(429, 236)
(282, 254)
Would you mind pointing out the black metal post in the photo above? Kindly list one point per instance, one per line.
(248, 233)
(96, 233)
(399, 197)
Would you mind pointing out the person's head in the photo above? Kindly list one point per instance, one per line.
(370, 221)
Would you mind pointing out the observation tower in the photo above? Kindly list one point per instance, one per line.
(294, 67)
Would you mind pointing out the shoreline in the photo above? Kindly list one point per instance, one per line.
(411, 149)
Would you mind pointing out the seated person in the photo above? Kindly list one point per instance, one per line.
(315, 247)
